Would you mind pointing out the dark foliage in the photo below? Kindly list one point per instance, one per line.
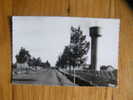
(23, 55)
(74, 54)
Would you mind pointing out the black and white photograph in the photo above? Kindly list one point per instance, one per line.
(65, 51)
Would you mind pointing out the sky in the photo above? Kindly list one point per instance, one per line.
(46, 37)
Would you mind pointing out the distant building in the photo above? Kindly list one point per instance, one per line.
(110, 68)
(107, 68)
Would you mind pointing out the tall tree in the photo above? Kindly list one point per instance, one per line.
(23, 55)
(48, 64)
(78, 46)
(75, 53)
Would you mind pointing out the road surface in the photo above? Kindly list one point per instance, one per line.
(46, 77)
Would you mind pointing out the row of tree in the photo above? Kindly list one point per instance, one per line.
(74, 54)
(25, 57)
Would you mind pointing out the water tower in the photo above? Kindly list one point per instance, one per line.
(94, 34)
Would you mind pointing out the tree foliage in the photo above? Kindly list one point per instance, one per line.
(74, 54)
(23, 55)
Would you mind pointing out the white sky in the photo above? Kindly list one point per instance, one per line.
(46, 37)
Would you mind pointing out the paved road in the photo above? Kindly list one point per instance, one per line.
(46, 77)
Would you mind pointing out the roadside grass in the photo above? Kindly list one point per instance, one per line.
(93, 78)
